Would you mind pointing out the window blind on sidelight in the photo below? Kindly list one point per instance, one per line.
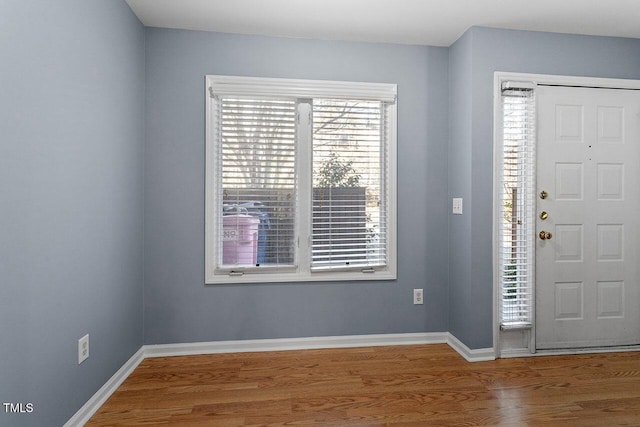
(517, 207)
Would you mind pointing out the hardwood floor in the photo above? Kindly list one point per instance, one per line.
(426, 385)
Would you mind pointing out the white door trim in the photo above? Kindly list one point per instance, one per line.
(533, 79)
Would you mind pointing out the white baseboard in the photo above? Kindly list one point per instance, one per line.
(476, 355)
(97, 400)
(243, 346)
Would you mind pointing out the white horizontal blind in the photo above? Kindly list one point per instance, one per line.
(516, 261)
(257, 186)
(349, 185)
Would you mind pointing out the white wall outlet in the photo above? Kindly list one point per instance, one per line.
(418, 296)
(83, 349)
(457, 206)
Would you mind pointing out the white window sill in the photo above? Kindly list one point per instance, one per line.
(226, 279)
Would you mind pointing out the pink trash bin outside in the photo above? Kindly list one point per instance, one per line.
(239, 239)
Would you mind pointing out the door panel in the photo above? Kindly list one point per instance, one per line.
(588, 156)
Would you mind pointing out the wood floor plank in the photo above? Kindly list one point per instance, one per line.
(377, 386)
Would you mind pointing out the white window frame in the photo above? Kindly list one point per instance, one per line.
(295, 88)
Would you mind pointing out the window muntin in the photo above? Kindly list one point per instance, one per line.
(273, 148)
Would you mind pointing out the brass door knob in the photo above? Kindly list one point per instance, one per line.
(545, 235)
(544, 215)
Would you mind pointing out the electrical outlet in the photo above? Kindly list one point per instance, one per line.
(83, 349)
(418, 296)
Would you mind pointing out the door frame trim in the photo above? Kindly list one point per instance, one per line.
(535, 80)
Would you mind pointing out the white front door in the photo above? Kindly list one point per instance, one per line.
(587, 251)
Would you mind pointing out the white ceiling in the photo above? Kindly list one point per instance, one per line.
(422, 22)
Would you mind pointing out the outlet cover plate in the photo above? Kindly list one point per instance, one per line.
(83, 349)
(457, 206)
(418, 296)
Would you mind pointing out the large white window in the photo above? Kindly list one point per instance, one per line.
(300, 181)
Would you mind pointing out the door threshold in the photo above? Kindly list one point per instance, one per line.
(587, 350)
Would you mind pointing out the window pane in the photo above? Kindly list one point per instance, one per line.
(349, 224)
(258, 182)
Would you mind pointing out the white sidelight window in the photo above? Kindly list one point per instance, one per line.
(516, 224)
(300, 180)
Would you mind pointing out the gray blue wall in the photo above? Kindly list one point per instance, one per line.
(178, 306)
(477, 55)
(460, 181)
(71, 147)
